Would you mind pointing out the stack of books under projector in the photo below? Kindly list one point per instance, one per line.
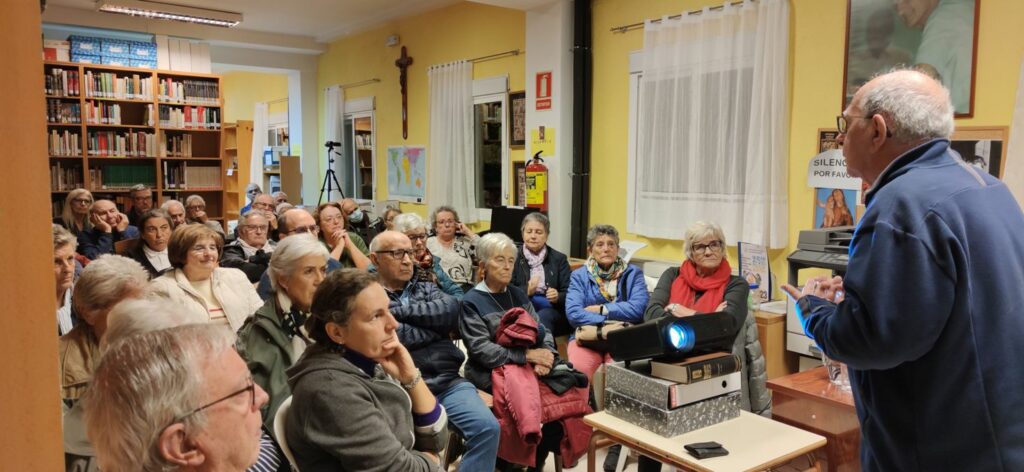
(672, 398)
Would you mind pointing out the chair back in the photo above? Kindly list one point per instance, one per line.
(279, 421)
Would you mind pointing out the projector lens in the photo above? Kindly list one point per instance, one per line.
(680, 336)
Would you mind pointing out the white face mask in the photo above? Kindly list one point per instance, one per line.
(356, 216)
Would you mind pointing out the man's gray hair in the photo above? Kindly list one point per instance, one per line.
(698, 231)
(63, 237)
(251, 213)
(106, 281)
(378, 240)
(493, 244)
(911, 113)
(144, 383)
(138, 188)
(601, 230)
(288, 253)
(194, 199)
(283, 207)
(408, 222)
(140, 315)
(169, 203)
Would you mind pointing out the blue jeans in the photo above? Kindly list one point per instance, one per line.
(552, 319)
(478, 425)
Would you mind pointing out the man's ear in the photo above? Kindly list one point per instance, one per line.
(882, 132)
(373, 259)
(336, 332)
(176, 448)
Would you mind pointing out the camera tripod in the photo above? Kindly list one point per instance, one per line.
(330, 176)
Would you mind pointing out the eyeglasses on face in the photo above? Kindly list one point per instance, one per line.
(312, 229)
(263, 206)
(399, 254)
(330, 219)
(714, 246)
(250, 387)
(446, 222)
(256, 228)
(82, 201)
(195, 207)
(417, 237)
(200, 248)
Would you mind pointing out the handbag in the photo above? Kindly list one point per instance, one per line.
(596, 336)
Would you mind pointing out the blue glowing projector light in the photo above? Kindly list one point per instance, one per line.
(673, 337)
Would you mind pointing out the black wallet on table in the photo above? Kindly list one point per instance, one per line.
(704, 450)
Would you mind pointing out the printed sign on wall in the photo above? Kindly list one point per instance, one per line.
(543, 90)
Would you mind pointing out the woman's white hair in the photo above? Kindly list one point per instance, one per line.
(697, 232)
(493, 244)
(911, 112)
(289, 252)
(105, 282)
(407, 222)
(142, 384)
(140, 315)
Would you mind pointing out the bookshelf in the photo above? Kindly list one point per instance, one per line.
(111, 127)
(236, 151)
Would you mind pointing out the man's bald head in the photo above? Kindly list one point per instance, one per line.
(386, 240)
(915, 106)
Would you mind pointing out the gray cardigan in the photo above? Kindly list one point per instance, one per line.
(344, 420)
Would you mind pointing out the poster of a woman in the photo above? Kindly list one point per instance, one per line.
(834, 207)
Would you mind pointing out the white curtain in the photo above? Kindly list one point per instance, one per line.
(712, 124)
(1014, 173)
(451, 169)
(259, 141)
(334, 120)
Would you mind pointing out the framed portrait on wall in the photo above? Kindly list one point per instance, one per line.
(982, 147)
(834, 207)
(519, 184)
(517, 110)
(936, 37)
(827, 140)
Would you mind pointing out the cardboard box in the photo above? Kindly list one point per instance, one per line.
(85, 45)
(85, 58)
(143, 51)
(671, 423)
(115, 48)
(636, 382)
(54, 50)
(143, 63)
(116, 61)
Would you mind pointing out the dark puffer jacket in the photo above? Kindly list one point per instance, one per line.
(427, 318)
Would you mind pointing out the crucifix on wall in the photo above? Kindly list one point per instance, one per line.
(403, 64)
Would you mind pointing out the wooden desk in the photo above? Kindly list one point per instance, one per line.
(771, 331)
(753, 442)
(809, 401)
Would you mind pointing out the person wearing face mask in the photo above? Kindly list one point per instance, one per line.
(360, 221)
(275, 337)
(151, 249)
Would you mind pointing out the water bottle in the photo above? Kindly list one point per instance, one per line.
(754, 297)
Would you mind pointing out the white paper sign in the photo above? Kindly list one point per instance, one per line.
(828, 170)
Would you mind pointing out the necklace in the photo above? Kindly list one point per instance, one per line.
(511, 302)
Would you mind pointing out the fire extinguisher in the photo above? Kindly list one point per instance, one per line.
(537, 184)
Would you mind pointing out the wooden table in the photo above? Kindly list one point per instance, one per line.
(809, 401)
(753, 442)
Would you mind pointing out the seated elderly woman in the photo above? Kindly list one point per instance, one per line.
(275, 337)
(430, 267)
(604, 289)
(452, 243)
(483, 310)
(358, 400)
(150, 250)
(64, 244)
(208, 293)
(543, 273)
(346, 247)
(103, 284)
(195, 213)
(389, 217)
(251, 251)
(75, 217)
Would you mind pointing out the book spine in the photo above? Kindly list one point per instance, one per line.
(711, 368)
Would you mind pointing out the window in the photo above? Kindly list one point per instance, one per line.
(490, 143)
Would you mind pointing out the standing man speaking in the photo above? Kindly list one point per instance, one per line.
(929, 317)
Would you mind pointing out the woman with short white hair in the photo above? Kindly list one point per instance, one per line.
(275, 337)
(428, 267)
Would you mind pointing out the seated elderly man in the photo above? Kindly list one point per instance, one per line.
(184, 401)
(142, 201)
(195, 212)
(251, 251)
(176, 211)
(279, 197)
(426, 317)
(264, 203)
(362, 222)
(431, 271)
(108, 227)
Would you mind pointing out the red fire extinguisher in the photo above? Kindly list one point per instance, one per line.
(537, 184)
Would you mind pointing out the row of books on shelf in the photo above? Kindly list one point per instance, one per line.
(65, 177)
(64, 143)
(199, 91)
(182, 175)
(62, 83)
(190, 117)
(110, 85)
(63, 112)
(110, 114)
(121, 144)
(364, 141)
(176, 146)
(121, 176)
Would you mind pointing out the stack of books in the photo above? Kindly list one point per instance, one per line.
(672, 398)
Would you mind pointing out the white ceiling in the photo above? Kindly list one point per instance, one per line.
(320, 20)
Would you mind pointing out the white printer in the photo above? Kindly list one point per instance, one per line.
(826, 248)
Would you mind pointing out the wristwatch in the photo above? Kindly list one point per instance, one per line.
(415, 380)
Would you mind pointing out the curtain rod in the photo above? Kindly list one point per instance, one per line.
(355, 84)
(276, 101)
(633, 26)
(513, 52)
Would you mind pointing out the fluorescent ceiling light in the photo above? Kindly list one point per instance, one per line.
(170, 11)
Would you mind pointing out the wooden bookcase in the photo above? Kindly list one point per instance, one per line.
(106, 131)
(236, 151)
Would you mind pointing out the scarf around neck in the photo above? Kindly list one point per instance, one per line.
(607, 281)
(536, 262)
(689, 284)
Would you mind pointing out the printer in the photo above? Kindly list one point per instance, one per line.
(825, 248)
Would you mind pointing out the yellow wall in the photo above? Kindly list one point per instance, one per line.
(242, 90)
(816, 54)
(461, 31)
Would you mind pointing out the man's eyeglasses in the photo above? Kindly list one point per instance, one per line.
(843, 123)
(195, 207)
(399, 254)
(417, 237)
(263, 206)
(257, 228)
(714, 246)
(311, 229)
(251, 388)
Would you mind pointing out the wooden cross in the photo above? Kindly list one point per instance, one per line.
(403, 64)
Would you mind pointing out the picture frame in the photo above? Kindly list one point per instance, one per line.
(519, 184)
(827, 139)
(939, 40)
(982, 146)
(834, 207)
(517, 119)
